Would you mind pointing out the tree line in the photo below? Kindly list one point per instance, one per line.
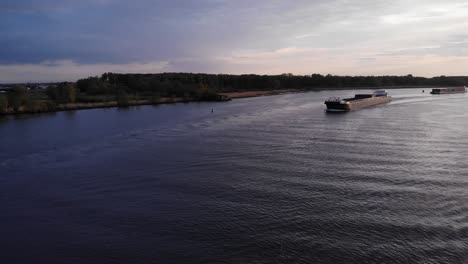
(190, 84)
(22, 99)
(123, 88)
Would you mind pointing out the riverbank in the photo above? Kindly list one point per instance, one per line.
(47, 106)
(237, 95)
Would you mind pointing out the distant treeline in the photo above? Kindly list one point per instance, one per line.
(125, 89)
(190, 84)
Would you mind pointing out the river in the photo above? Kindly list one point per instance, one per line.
(259, 180)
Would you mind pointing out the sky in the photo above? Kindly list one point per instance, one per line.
(64, 40)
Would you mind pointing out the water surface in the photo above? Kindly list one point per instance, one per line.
(260, 180)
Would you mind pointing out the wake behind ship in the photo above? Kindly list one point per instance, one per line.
(357, 102)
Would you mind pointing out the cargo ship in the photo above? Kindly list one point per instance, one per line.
(357, 102)
(449, 90)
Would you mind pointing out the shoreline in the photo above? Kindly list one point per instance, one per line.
(84, 106)
(229, 95)
(112, 104)
(247, 94)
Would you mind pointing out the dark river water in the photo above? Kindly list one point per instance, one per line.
(260, 180)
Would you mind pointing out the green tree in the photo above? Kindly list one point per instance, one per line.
(3, 103)
(63, 93)
(94, 85)
(155, 98)
(70, 92)
(18, 96)
(122, 96)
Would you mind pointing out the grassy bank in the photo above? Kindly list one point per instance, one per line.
(40, 103)
(66, 96)
(235, 95)
(49, 106)
(91, 102)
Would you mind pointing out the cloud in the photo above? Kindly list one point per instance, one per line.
(428, 13)
(264, 36)
(345, 61)
(67, 70)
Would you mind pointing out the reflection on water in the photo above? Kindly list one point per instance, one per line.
(260, 180)
(70, 114)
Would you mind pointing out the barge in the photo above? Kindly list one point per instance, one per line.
(448, 90)
(357, 102)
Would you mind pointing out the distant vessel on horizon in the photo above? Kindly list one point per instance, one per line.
(449, 90)
(359, 101)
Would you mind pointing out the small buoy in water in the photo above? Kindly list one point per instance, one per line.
(211, 110)
(423, 91)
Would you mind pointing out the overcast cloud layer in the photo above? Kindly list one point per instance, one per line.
(66, 39)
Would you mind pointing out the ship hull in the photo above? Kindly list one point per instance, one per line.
(353, 104)
(448, 90)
